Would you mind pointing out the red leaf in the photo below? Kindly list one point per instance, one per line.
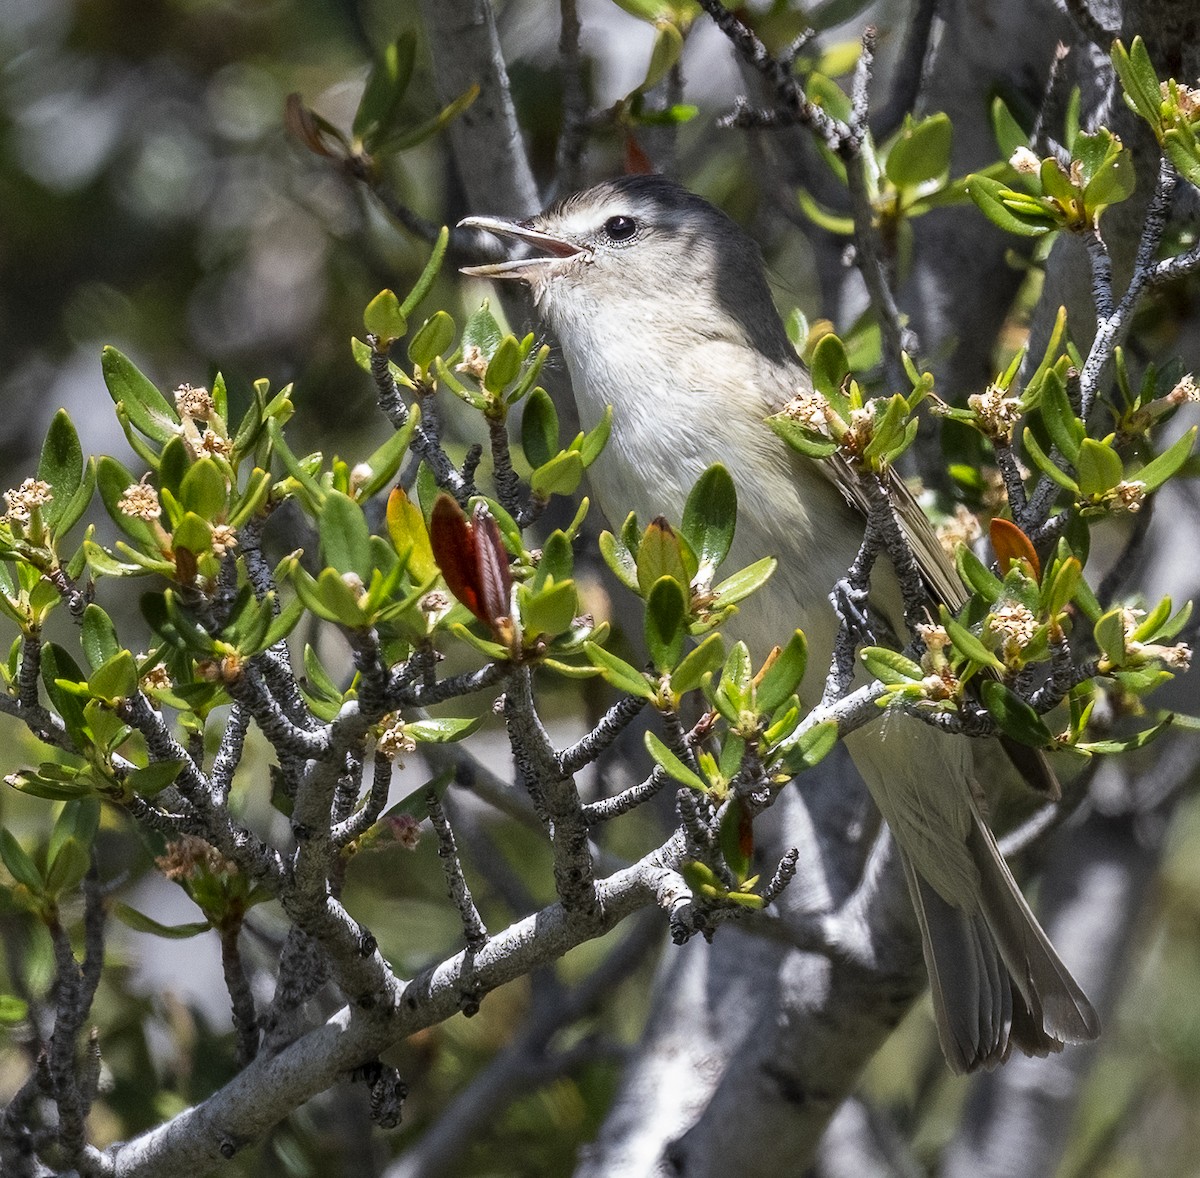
(495, 577)
(1011, 544)
(472, 558)
(453, 541)
(637, 162)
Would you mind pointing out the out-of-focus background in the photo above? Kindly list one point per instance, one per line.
(151, 199)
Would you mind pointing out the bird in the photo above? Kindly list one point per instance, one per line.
(660, 304)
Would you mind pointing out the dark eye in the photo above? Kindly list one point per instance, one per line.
(620, 228)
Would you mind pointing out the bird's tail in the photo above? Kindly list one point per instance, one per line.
(996, 980)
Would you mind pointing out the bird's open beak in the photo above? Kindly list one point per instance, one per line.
(553, 249)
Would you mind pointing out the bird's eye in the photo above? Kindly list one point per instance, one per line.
(620, 228)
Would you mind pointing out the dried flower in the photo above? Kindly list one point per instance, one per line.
(1130, 495)
(810, 409)
(21, 502)
(212, 442)
(193, 402)
(962, 529)
(1185, 390)
(140, 501)
(1025, 161)
(1015, 625)
(224, 538)
(474, 362)
(393, 739)
(996, 412)
(190, 856)
(404, 829)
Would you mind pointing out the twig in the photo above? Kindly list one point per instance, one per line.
(588, 748)
(606, 809)
(245, 1016)
(573, 137)
(474, 930)
(358, 823)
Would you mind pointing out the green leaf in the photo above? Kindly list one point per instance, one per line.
(660, 554)
(698, 662)
(1139, 81)
(68, 867)
(1066, 431)
(1168, 463)
(822, 217)
(976, 575)
(619, 559)
(710, 516)
(20, 866)
(745, 581)
(13, 1010)
(995, 201)
(115, 679)
(205, 490)
(1009, 133)
(61, 465)
(345, 536)
(561, 475)
(384, 319)
(665, 622)
(503, 366)
(442, 730)
(672, 765)
(736, 840)
(141, 923)
(482, 332)
(432, 338)
(1109, 633)
(966, 643)
(98, 636)
(147, 409)
(425, 282)
(1046, 465)
(782, 678)
(594, 441)
(1137, 741)
(539, 428)
(153, 778)
(812, 747)
(800, 438)
(829, 367)
(619, 673)
(1014, 716)
(385, 89)
(890, 666)
(921, 151)
(549, 610)
(1099, 468)
(1113, 182)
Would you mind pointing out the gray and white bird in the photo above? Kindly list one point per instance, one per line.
(663, 311)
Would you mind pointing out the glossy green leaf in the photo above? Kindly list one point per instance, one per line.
(116, 678)
(482, 332)
(345, 536)
(745, 581)
(890, 666)
(812, 747)
(966, 643)
(98, 636)
(61, 465)
(1109, 633)
(1046, 465)
(503, 366)
(594, 441)
(704, 658)
(782, 678)
(665, 622)
(921, 151)
(147, 409)
(1099, 468)
(660, 554)
(710, 516)
(423, 284)
(153, 778)
(20, 866)
(994, 201)
(1013, 716)
(431, 339)
(539, 428)
(829, 367)
(1168, 463)
(672, 765)
(384, 319)
(1009, 133)
(619, 673)
(385, 89)
(619, 559)
(549, 610)
(561, 475)
(141, 923)
(442, 730)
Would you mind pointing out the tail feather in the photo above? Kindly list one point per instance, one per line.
(997, 982)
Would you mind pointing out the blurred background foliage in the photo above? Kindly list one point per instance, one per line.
(152, 200)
